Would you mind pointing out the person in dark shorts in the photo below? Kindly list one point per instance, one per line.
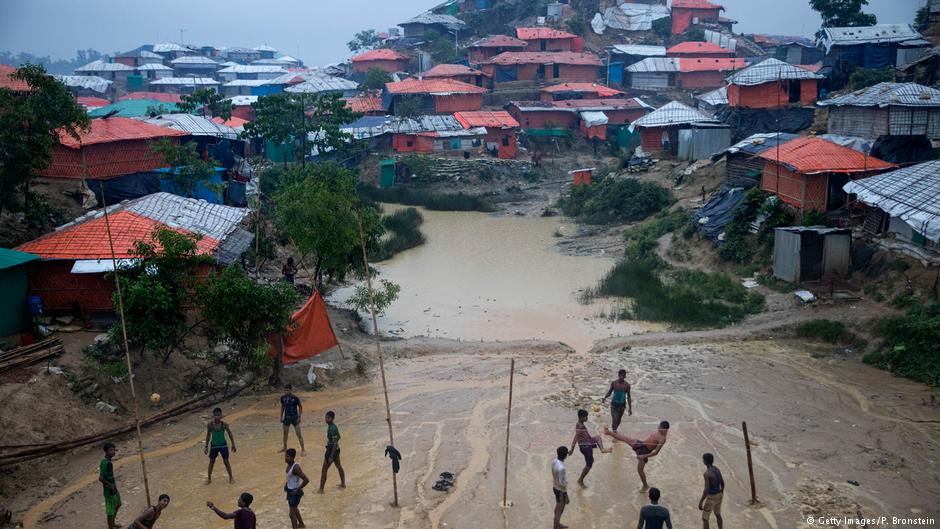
(710, 502)
(289, 270)
(112, 499)
(244, 517)
(622, 400)
(560, 485)
(586, 444)
(331, 456)
(216, 445)
(654, 515)
(291, 410)
(294, 487)
(149, 517)
(644, 448)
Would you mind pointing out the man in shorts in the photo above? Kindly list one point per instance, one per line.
(560, 485)
(622, 400)
(149, 517)
(294, 488)
(291, 410)
(332, 452)
(712, 494)
(586, 444)
(216, 445)
(244, 517)
(112, 499)
(654, 515)
(645, 448)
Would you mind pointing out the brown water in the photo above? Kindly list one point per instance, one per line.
(496, 278)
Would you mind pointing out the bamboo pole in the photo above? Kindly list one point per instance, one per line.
(127, 351)
(750, 465)
(378, 347)
(258, 231)
(512, 372)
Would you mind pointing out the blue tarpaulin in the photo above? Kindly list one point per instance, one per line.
(714, 216)
(877, 56)
(126, 187)
(506, 74)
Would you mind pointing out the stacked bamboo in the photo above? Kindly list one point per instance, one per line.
(29, 354)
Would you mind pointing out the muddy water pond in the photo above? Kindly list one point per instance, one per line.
(491, 277)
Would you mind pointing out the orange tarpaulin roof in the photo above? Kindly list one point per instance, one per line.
(309, 335)
(816, 155)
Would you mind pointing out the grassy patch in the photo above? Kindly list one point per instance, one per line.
(642, 239)
(405, 233)
(911, 344)
(429, 200)
(608, 200)
(821, 329)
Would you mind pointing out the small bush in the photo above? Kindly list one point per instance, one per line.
(865, 77)
(815, 217)
(429, 200)
(911, 346)
(825, 330)
(610, 200)
(405, 233)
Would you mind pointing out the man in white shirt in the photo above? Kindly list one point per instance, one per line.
(560, 485)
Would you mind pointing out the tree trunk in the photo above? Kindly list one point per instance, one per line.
(318, 273)
(275, 379)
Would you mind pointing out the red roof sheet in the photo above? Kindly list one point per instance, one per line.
(711, 65)
(89, 240)
(546, 57)
(600, 90)
(698, 47)
(483, 118)
(92, 102)
(432, 86)
(233, 121)
(10, 84)
(450, 70)
(159, 96)
(816, 155)
(365, 104)
(499, 41)
(382, 54)
(543, 33)
(815, 67)
(117, 129)
(694, 4)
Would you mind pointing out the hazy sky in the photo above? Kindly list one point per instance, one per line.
(320, 28)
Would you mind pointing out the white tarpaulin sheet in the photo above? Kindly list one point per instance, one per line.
(911, 194)
(95, 266)
(594, 119)
(630, 17)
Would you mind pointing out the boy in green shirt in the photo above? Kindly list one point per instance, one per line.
(112, 500)
(332, 452)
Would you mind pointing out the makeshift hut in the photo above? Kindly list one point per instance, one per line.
(772, 83)
(87, 85)
(134, 108)
(434, 96)
(564, 91)
(662, 73)
(659, 130)
(429, 22)
(77, 256)
(623, 55)
(699, 50)
(485, 49)
(457, 72)
(539, 117)
(874, 47)
(808, 173)
(183, 85)
(387, 60)
(686, 13)
(194, 66)
(13, 273)
(743, 166)
(424, 134)
(536, 66)
(367, 105)
(886, 109)
(544, 38)
(811, 253)
(501, 130)
(250, 72)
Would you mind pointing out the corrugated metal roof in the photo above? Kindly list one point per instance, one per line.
(655, 64)
(546, 57)
(141, 53)
(194, 59)
(694, 4)
(158, 96)
(672, 113)
(157, 67)
(102, 66)
(716, 97)
(243, 101)
(196, 216)
(698, 47)
(640, 50)
(757, 143)
(815, 155)
(10, 258)
(92, 102)
(598, 89)
(770, 70)
(450, 70)
(499, 41)
(90, 82)
(911, 194)
(710, 65)
(543, 33)
(247, 82)
(429, 18)
(252, 68)
(578, 105)
(194, 125)
(134, 108)
(322, 83)
(265, 47)
(433, 87)
(116, 129)
(167, 47)
(370, 127)
(888, 94)
(365, 104)
(185, 81)
(487, 118)
(382, 54)
(630, 17)
(879, 33)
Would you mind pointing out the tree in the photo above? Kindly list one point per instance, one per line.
(30, 125)
(187, 167)
(363, 40)
(408, 106)
(376, 78)
(209, 102)
(243, 314)
(384, 295)
(317, 213)
(843, 13)
(327, 113)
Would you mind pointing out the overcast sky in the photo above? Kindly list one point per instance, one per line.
(319, 28)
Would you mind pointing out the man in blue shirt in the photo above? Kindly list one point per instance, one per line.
(654, 515)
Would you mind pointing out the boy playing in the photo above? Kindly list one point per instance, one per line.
(216, 445)
(586, 443)
(332, 452)
(112, 500)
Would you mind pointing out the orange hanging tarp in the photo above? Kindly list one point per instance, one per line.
(309, 334)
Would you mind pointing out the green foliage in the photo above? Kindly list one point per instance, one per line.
(695, 34)
(814, 217)
(188, 169)
(376, 78)
(30, 123)
(109, 361)
(419, 166)
(442, 48)
(642, 239)
(865, 77)
(663, 28)
(822, 329)
(404, 227)
(609, 200)
(242, 313)
(736, 247)
(409, 106)
(843, 13)
(911, 344)
(317, 212)
(922, 17)
(384, 294)
(576, 24)
(363, 40)
(431, 201)
(208, 102)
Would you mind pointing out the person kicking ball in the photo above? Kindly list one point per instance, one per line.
(644, 448)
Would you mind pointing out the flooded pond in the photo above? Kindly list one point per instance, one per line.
(495, 278)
